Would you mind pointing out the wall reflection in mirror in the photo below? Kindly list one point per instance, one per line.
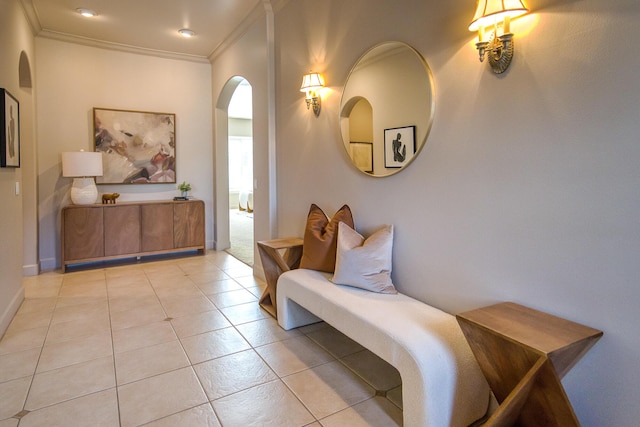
(389, 91)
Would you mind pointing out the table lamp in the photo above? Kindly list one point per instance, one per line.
(82, 166)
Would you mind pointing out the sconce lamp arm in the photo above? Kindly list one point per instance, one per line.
(499, 49)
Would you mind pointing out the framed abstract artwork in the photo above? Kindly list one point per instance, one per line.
(138, 147)
(399, 146)
(10, 134)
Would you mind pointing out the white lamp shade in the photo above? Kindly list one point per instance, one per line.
(82, 163)
(311, 81)
(490, 12)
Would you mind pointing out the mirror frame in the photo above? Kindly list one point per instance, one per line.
(347, 105)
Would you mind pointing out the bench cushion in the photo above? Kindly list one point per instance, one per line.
(442, 384)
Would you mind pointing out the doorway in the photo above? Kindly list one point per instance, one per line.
(240, 173)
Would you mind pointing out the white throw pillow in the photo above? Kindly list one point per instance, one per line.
(364, 264)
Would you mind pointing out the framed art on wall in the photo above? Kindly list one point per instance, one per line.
(362, 155)
(10, 134)
(138, 147)
(399, 146)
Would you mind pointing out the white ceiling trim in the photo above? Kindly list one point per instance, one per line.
(32, 16)
(258, 12)
(48, 34)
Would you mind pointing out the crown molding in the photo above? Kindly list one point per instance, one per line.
(259, 11)
(54, 35)
(31, 15)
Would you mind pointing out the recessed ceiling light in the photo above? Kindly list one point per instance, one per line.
(185, 32)
(86, 12)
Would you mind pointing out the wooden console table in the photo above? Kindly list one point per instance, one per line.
(130, 229)
(277, 256)
(523, 354)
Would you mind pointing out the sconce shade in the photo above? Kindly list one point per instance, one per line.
(491, 11)
(82, 163)
(311, 81)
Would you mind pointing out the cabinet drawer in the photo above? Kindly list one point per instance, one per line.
(188, 224)
(121, 230)
(95, 232)
(157, 227)
(83, 233)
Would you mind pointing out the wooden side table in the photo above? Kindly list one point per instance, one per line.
(523, 354)
(277, 256)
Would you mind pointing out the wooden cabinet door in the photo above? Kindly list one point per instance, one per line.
(188, 224)
(157, 227)
(121, 230)
(82, 233)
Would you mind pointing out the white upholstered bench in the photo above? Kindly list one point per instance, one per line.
(442, 384)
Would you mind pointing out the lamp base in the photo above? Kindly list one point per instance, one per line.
(84, 191)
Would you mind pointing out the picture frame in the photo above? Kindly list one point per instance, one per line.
(10, 134)
(399, 146)
(361, 154)
(138, 147)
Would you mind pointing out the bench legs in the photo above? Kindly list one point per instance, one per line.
(292, 315)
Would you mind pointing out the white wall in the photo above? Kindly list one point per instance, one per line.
(246, 58)
(15, 37)
(527, 188)
(72, 79)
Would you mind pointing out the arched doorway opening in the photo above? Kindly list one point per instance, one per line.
(240, 156)
(225, 200)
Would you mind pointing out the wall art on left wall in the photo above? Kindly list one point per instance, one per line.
(138, 147)
(10, 134)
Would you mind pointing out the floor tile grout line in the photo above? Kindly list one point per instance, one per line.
(236, 325)
(113, 352)
(191, 365)
(335, 359)
(35, 371)
(35, 368)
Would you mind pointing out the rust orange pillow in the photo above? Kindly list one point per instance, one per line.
(321, 238)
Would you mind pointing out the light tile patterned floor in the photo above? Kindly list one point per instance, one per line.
(180, 342)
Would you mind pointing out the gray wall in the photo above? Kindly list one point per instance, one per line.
(527, 189)
(16, 37)
(73, 80)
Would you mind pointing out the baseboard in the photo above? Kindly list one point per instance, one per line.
(48, 264)
(220, 246)
(30, 270)
(11, 310)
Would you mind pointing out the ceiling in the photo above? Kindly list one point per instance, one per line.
(146, 25)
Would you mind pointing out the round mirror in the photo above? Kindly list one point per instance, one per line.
(386, 108)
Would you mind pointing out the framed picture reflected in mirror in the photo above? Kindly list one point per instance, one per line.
(362, 155)
(399, 146)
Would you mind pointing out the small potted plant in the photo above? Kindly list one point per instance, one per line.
(184, 187)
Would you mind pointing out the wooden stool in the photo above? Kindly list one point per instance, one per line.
(277, 256)
(523, 354)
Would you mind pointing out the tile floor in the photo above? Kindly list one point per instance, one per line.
(181, 342)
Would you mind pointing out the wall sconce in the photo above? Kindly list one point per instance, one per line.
(489, 14)
(82, 166)
(312, 83)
